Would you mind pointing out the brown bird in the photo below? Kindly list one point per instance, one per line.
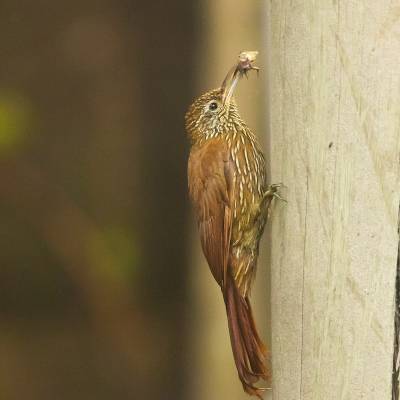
(228, 187)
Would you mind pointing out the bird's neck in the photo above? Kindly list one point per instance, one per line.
(234, 131)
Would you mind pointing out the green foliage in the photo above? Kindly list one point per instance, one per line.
(114, 253)
(15, 118)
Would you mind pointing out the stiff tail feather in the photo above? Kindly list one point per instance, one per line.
(248, 350)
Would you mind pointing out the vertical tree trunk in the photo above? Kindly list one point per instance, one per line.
(335, 114)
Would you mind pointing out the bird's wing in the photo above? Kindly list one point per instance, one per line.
(211, 188)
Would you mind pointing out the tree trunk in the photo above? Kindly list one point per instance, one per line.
(334, 70)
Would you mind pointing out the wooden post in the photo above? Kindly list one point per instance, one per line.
(335, 122)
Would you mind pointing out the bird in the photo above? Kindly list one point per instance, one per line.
(228, 187)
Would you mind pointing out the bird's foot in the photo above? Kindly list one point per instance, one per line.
(273, 191)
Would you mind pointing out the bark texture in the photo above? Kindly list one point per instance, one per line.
(335, 113)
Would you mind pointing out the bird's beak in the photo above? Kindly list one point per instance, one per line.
(229, 84)
(244, 64)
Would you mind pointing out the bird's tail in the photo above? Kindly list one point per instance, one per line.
(248, 350)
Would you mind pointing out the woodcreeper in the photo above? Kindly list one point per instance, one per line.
(228, 187)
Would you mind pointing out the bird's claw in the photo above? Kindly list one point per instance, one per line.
(279, 197)
(273, 191)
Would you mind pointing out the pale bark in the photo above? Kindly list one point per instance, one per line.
(335, 113)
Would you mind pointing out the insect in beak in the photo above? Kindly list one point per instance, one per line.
(244, 64)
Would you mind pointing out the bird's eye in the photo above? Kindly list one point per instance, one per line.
(213, 106)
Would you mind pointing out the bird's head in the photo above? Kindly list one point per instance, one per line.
(211, 113)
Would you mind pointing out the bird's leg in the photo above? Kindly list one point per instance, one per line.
(272, 192)
(269, 194)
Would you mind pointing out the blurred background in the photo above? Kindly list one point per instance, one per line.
(104, 293)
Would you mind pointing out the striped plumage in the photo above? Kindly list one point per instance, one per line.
(249, 178)
(228, 187)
